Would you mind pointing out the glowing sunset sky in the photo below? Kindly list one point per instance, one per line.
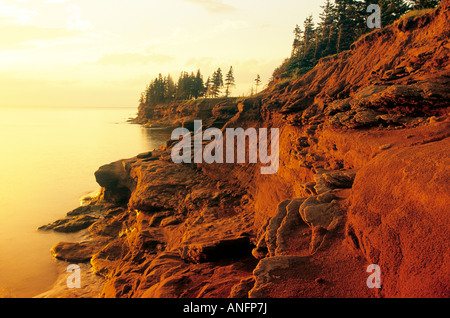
(64, 53)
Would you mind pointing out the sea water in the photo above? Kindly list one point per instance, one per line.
(47, 162)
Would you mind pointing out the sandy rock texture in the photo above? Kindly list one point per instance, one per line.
(363, 179)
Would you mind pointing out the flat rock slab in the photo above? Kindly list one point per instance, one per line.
(274, 272)
(74, 252)
(70, 224)
(334, 273)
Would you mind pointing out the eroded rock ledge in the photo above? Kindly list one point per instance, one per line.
(363, 179)
(184, 233)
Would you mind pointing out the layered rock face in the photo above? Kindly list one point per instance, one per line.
(402, 224)
(363, 179)
(214, 112)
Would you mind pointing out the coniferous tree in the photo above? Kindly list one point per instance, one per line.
(347, 18)
(170, 89)
(181, 89)
(425, 4)
(308, 37)
(208, 86)
(142, 99)
(217, 83)
(327, 29)
(191, 86)
(296, 46)
(156, 90)
(229, 82)
(257, 82)
(198, 86)
(163, 89)
(341, 23)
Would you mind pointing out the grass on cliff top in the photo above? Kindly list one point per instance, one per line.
(202, 100)
(415, 13)
(292, 68)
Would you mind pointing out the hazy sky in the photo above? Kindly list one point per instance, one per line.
(103, 52)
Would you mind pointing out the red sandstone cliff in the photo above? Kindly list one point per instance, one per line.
(363, 179)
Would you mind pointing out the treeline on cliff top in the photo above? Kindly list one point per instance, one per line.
(341, 23)
(189, 86)
(163, 89)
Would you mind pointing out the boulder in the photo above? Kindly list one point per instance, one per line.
(242, 289)
(274, 225)
(106, 258)
(273, 272)
(74, 252)
(145, 155)
(399, 219)
(115, 181)
(289, 225)
(322, 210)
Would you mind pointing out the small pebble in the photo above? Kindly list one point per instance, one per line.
(386, 147)
(320, 280)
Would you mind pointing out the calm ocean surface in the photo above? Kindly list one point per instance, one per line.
(47, 162)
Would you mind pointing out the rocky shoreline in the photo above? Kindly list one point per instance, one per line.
(177, 232)
(363, 179)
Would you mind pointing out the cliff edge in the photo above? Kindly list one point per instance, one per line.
(363, 179)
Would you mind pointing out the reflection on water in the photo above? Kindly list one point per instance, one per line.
(154, 135)
(47, 162)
